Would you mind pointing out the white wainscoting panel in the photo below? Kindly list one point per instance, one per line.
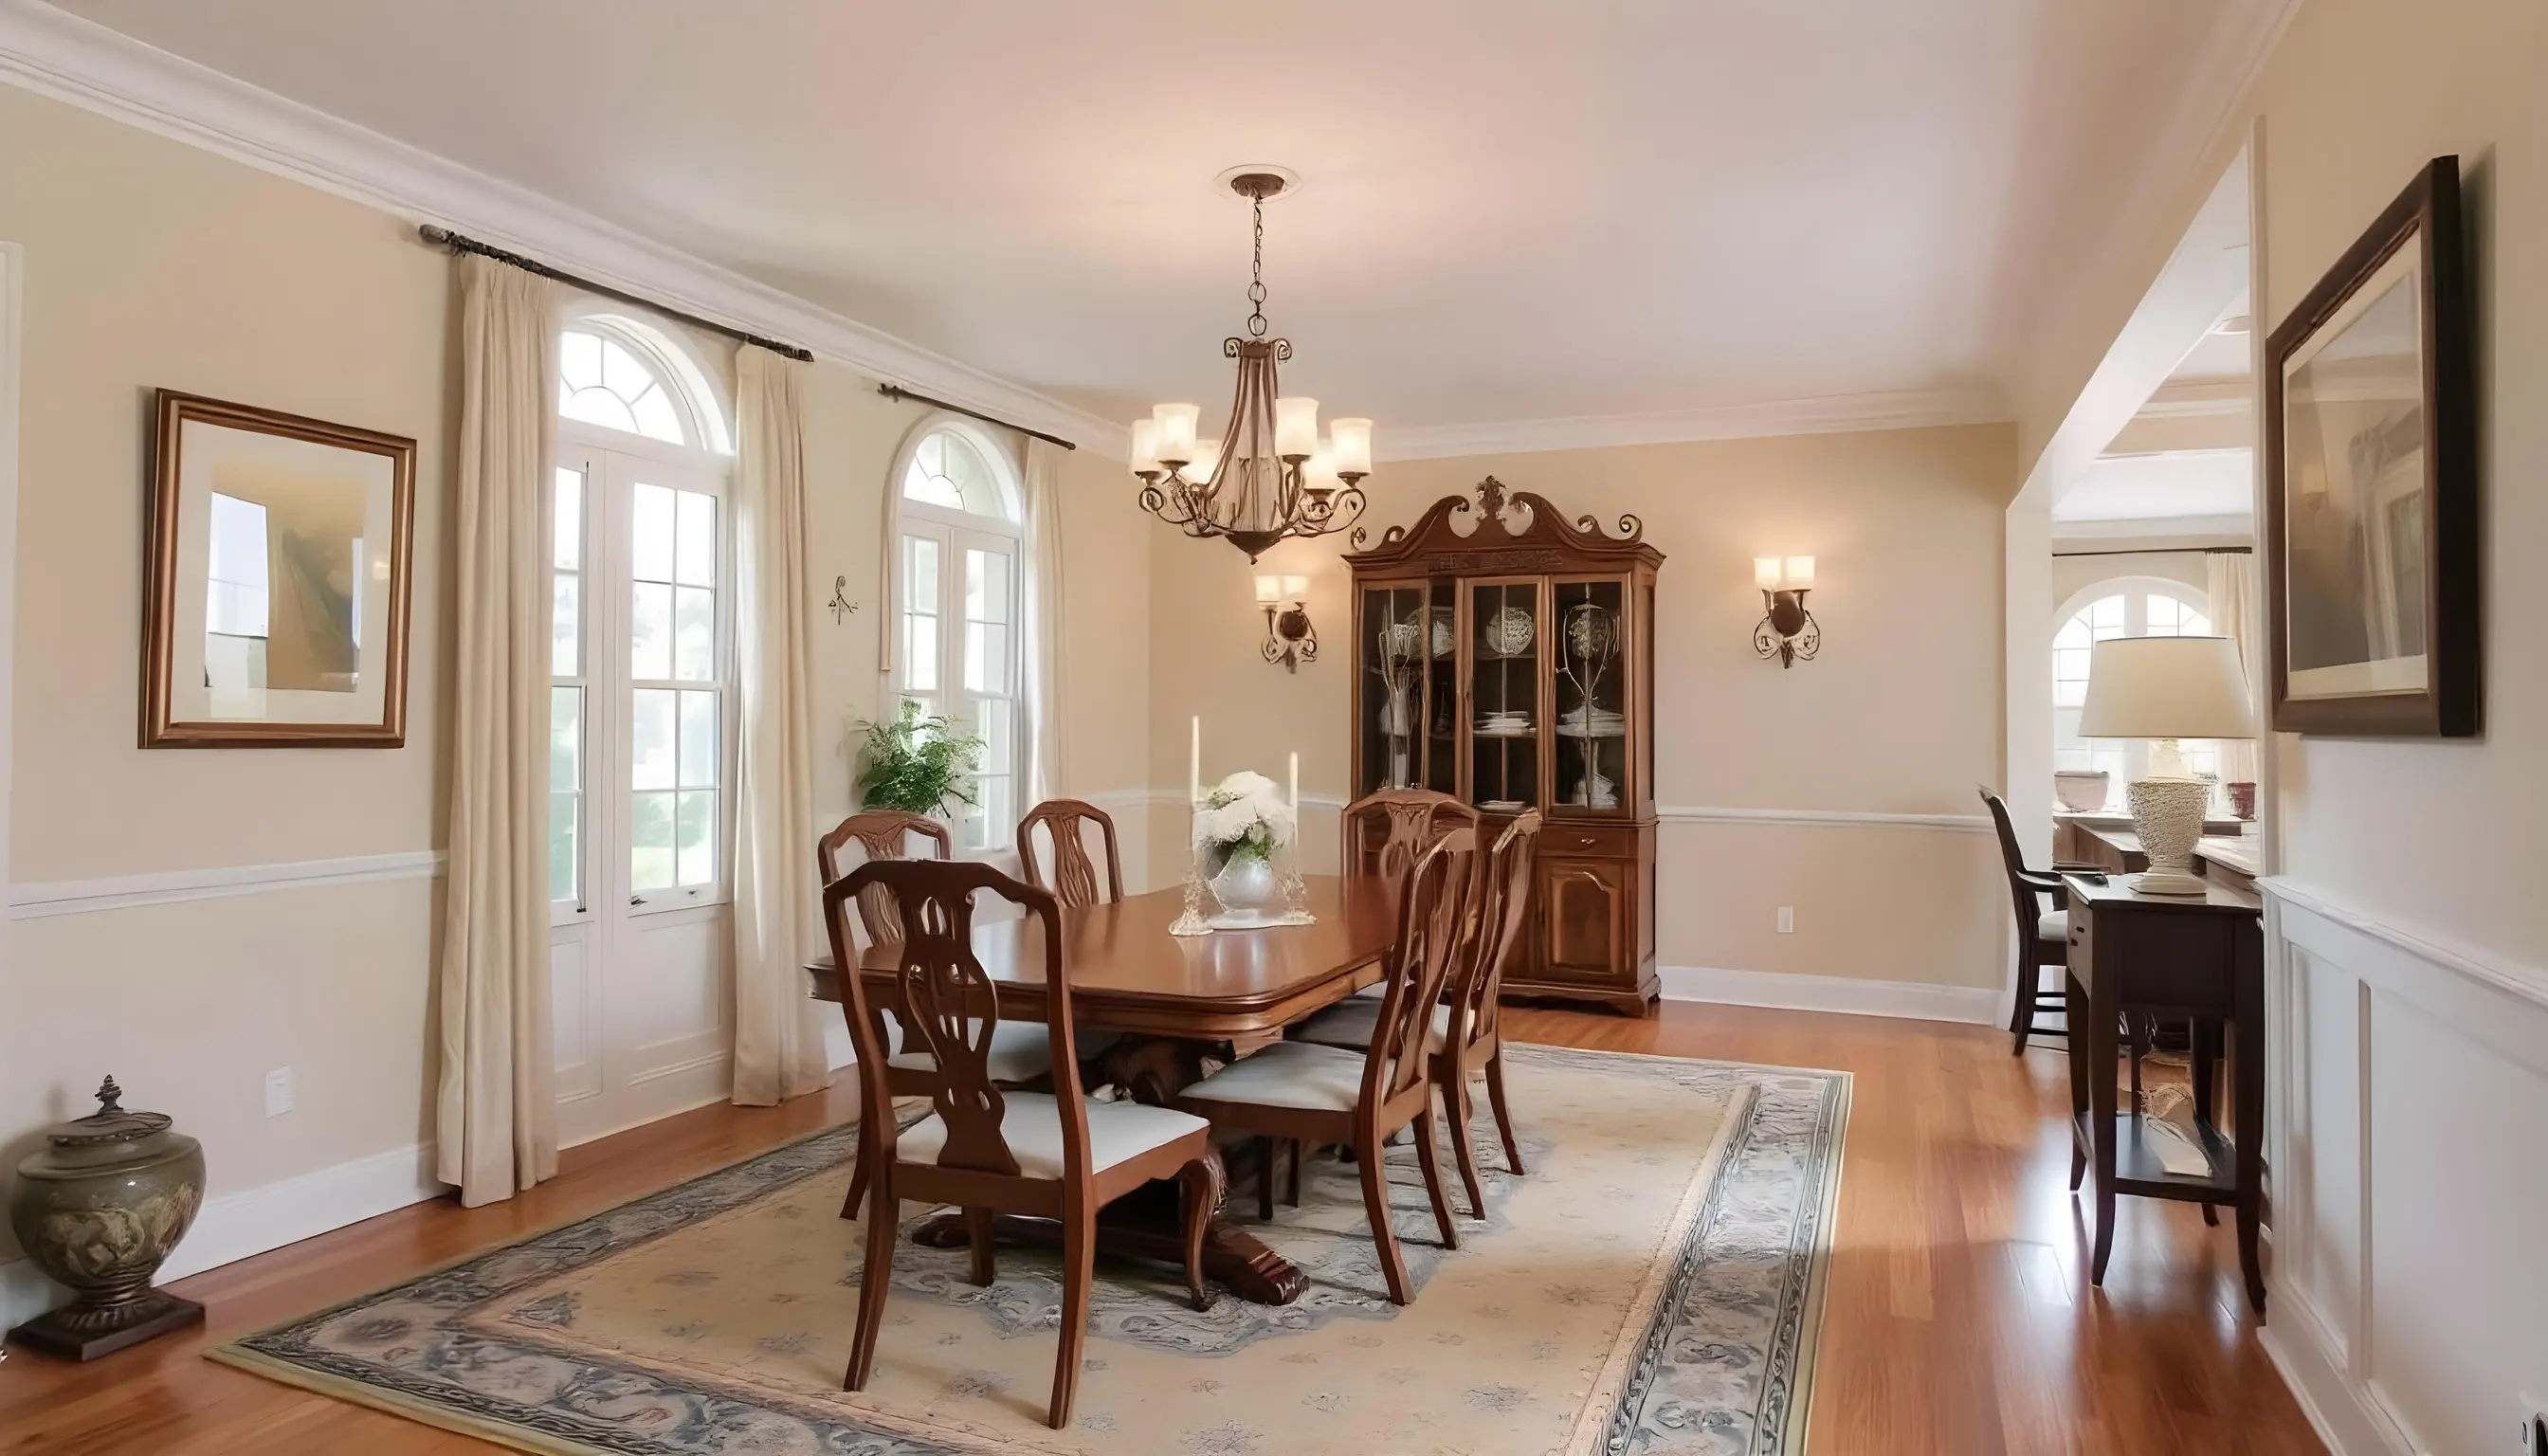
(2409, 1289)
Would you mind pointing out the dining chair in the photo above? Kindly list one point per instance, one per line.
(2044, 943)
(1300, 1092)
(1018, 1051)
(1468, 1023)
(1074, 871)
(1387, 830)
(986, 1148)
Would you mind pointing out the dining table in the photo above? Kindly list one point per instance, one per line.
(1176, 1003)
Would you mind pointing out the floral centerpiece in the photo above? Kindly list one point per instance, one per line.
(1243, 827)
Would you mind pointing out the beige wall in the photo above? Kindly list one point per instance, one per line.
(1900, 715)
(152, 263)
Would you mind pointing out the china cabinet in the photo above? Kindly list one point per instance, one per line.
(1504, 655)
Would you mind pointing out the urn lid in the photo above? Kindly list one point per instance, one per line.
(110, 1135)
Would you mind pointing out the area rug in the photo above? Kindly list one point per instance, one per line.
(1653, 1285)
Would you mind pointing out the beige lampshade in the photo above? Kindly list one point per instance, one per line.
(2166, 687)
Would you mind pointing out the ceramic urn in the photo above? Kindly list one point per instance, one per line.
(98, 1209)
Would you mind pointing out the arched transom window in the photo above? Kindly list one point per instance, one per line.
(957, 526)
(2124, 609)
(621, 374)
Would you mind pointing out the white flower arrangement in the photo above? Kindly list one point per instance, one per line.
(1243, 817)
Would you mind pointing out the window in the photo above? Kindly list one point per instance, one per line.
(956, 536)
(639, 665)
(2136, 608)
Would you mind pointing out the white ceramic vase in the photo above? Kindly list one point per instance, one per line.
(1249, 892)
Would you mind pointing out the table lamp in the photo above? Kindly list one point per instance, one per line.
(2164, 689)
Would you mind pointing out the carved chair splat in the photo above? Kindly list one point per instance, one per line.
(1074, 871)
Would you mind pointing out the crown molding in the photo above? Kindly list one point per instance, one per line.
(2160, 532)
(73, 60)
(1812, 415)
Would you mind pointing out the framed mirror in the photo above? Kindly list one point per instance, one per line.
(276, 609)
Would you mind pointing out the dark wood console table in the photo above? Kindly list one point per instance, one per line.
(2185, 958)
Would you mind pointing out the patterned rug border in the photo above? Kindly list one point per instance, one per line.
(1792, 1358)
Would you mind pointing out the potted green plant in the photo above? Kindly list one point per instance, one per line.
(916, 762)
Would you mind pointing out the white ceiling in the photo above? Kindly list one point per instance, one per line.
(2169, 486)
(1513, 210)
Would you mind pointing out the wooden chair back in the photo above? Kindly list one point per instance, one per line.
(1074, 870)
(948, 1004)
(1387, 831)
(2023, 885)
(883, 834)
(1432, 912)
(1501, 903)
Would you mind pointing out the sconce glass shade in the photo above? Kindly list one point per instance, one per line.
(1349, 442)
(1269, 590)
(1146, 446)
(1175, 444)
(1295, 426)
(1765, 572)
(1296, 588)
(1206, 456)
(1800, 574)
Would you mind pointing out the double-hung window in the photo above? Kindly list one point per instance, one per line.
(958, 528)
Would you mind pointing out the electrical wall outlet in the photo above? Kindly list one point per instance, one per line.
(2534, 1426)
(1786, 920)
(278, 1092)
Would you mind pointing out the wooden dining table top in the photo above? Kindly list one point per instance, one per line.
(1128, 974)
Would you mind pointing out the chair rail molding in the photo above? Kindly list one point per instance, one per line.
(2407, 1076)
(40, 899)
(73, 60)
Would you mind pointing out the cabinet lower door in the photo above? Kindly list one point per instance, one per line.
(1583, 912)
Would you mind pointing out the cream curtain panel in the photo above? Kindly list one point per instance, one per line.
(2235, 616)
(778, 1037)
(1050, 742)
(495, 1112)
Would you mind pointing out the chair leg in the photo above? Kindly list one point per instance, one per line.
(1503, 1114)
(1200, 1183)
(1457, 1106)
(1375, 1204)
(978, 1233)
(1430, 1159)
(858, 1173)
(1268, 1152)
(1291, 1173)
(1078, 1277)
(2021, 1017)
(885, 1213)
(2136, 1043)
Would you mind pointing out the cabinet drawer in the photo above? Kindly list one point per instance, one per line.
(1581, 840)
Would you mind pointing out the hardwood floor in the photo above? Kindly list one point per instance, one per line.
(1960, 1317)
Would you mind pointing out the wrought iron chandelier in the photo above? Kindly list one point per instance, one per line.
(1270, 477)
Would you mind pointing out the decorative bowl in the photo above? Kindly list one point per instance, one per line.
(1509, 632)
(2080, 790)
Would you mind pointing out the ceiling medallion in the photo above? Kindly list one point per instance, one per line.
(1270, 477)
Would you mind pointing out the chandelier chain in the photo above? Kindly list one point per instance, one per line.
(1256, 284)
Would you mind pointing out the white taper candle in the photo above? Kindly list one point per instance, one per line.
(1194, 765)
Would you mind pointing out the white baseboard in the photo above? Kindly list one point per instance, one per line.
(237, 1225)
(1782, 991)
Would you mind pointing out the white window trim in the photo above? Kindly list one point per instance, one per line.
(954, 528)
(606, 562)
(696, 398)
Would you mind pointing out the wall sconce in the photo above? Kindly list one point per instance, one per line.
(1289, 637)
(1787, 631)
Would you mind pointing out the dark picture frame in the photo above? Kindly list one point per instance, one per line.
(323, 515)
(2371, 498)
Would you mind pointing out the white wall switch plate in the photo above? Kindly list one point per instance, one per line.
(278, 1092)
(1786, 920)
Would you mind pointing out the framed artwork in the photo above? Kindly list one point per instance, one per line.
(2371, 510)
(276, 609)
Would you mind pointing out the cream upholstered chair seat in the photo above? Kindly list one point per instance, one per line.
(2052, 925)
(1351, 1023)
(1031, 1123)
(1288, 1075)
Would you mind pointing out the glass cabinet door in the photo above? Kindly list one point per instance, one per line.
(1504, 657)
(1392, 657)
(1590, 679)
(1442, 686)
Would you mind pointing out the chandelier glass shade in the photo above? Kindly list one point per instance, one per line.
(1269, 475)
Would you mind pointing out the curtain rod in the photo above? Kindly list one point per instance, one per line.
(2166, 551)
(898, 394)
(445, 237)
